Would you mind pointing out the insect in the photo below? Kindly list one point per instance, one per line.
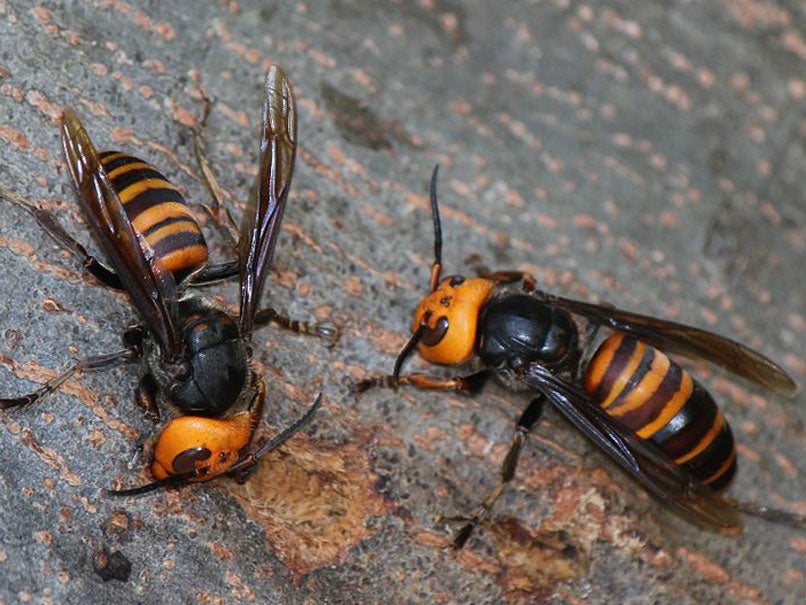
(198, 356)
(642, 408)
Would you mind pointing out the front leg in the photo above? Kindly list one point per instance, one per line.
(468, 384)
(146, 397)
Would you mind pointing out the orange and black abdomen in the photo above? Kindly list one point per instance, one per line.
(158, 212)
(655, 397)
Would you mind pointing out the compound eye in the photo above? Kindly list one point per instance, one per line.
(433, 336)
(456, 280)
(184, 463)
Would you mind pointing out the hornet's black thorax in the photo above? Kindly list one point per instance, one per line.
(518, 328)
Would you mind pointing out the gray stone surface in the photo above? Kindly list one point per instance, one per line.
(648, 154)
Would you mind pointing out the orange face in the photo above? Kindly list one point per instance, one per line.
(451, 314)
(195, 442)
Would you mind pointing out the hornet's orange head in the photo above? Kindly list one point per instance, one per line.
(196, 444)
(450, 316)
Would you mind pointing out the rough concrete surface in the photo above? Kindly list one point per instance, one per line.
(646, 153)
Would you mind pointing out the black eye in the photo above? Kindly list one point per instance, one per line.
(457, 280)
(184, 463)
(433, 336)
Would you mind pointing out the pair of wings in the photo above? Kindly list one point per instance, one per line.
(638, 457)
(151, 286)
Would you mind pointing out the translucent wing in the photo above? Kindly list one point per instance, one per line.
(261, 222)
(687, 341)
(150, 285)
(640, 458)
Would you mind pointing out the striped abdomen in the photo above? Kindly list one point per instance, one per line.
(158, 212)
(653, 396)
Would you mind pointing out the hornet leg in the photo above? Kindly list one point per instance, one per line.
(468, 384)
(527, 420)
(49, 223)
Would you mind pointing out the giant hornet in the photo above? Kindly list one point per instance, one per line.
(638, 405)
(198, 356)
